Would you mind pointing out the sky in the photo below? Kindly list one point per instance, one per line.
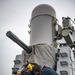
(15, 16)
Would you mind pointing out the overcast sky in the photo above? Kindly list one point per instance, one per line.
(15, 16)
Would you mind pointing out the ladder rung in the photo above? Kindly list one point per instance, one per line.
(64, 72)
(64, 54)
(63, 63)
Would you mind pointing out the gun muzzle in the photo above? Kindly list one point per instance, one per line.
(13, 37)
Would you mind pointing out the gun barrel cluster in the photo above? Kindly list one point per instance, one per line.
(13, 37)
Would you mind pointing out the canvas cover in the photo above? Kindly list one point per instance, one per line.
(41, 54)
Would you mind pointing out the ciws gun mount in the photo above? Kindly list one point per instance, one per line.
(13, 37)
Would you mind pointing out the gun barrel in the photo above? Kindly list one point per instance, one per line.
(13, 37)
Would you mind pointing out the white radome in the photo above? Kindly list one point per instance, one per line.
(41, 24)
